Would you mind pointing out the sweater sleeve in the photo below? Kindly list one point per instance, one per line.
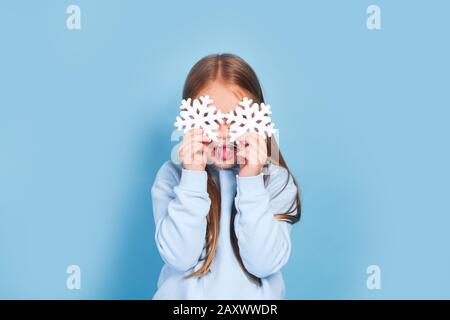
(180, 209)
(264, 240)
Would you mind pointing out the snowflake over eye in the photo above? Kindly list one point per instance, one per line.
(200, 114)
(250, 117)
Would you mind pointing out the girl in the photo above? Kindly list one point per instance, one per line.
(223, 217)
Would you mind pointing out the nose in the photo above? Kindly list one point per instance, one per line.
(223, 130)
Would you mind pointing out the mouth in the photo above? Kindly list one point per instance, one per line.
(225, 151)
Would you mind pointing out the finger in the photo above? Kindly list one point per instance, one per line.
(208, 147)
(250, 146)
(188, 150)
(197, 131)
(243, 152)
(195, 147)
(205, 153)
(205, 139)
(258, 143)
(249, 138)
(262, 150)
(199, 135)
(194, 158)
(253, 138)
(184, 146)
(193, 133)
(194, 140)
(199, 153)
(240, 157)
(254, 154)
(262, 146)
(190, 133)
(242, 139)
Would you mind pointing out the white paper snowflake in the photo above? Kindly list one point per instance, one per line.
(200, 114)
(250, 117)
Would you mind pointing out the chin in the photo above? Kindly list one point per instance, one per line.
(224, 165)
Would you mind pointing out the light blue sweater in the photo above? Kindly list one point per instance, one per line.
(181, 204)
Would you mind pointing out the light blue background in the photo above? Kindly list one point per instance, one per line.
(86, 118)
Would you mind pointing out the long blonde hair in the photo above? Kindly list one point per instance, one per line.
(233, 70)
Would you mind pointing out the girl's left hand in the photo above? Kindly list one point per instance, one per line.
(252, 154)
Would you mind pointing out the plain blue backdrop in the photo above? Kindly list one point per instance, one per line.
(86, 117)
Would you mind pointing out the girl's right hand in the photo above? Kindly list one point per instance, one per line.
(193, 150)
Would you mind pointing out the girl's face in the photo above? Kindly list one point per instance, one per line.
(226, 97)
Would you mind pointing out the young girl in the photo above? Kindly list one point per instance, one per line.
(223, 216)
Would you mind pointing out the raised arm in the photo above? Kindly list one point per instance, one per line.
(264, 240)
(180, 209)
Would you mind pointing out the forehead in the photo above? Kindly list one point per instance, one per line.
(226, 96)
